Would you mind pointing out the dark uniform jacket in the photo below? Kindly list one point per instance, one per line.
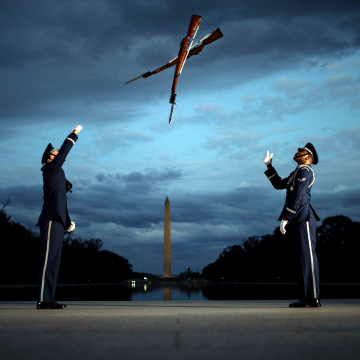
(56, 186)
(298, 185)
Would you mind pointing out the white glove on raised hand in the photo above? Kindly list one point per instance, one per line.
(282, 226)
(71, 228)
(268, 158)
(78, 128)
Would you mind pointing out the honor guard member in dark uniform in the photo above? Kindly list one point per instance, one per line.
(54, 218)
(300, 218)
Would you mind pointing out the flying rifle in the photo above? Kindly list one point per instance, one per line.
(195, 50)
(186, 50)
(185, 46)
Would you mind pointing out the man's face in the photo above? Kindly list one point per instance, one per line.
(52, 155)
(302, 156)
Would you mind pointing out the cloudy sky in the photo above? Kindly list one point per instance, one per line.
(285, 73)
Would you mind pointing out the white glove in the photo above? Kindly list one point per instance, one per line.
(282, 226)
(268, 158)
(71, 228)
(78, 128)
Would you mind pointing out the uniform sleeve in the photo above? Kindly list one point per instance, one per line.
(302, 181)
(275, 179)
(58, 162)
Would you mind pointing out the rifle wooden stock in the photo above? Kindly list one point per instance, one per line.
(217, 34)
(194, 22)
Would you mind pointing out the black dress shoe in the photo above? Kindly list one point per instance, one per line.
(306, 303)
(50, 305)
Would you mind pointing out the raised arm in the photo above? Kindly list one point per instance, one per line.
(272, 174)
(68, 143)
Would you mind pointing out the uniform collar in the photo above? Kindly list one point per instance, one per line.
(300, 166)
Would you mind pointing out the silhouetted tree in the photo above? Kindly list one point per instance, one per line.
(338, 248)
(270, 257)
(20, 251)
(81, 260)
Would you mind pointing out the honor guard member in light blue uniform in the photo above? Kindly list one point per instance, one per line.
(54, 218)
(300, 218)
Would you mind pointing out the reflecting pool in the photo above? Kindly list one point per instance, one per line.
(186, 291)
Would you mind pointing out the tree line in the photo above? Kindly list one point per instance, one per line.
(81, 260)
(265, 258)
(269, 258)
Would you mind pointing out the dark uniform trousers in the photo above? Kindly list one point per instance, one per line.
(52, 236)
(304, 242)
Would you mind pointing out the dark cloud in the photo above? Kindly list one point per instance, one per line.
(121, 199)
(152, 177)
(73, 29)
(52, 50)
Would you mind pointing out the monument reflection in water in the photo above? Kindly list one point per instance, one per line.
(167, 293)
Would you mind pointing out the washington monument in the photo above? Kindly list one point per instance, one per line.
(167, 240)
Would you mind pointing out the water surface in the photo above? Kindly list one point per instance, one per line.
(178, 292)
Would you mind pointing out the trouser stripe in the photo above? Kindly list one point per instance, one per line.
(45, 264)
(312, 259)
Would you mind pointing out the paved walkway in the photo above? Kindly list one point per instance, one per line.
(180, 330)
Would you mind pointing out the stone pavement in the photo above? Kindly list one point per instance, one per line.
(262, 329)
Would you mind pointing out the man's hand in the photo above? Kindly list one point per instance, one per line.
(282, 226)
(71, 228)
(77, 129)
(268, 158)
